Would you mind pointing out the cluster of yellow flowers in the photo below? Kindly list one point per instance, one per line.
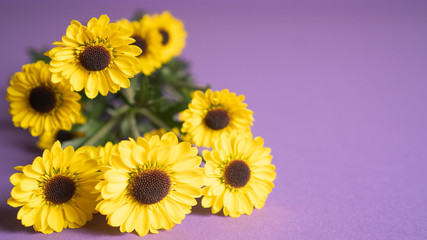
(142, 184)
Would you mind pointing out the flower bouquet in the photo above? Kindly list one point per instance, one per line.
(120, 120)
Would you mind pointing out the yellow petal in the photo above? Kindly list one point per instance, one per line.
(71, 213)
(175, 212)
(118, 217)
(30, 217)
(154, 217)
(116, 176)
(189, 176)
(16, 178)
(116, 187)
(55, 219)
(142, 226)
(129, 225)
(28, 184)
(219, 203)
(183, 198)
(78, 79)
(14, 203)
(188, 190)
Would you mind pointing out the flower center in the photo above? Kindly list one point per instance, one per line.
(59, 189)
(237, 173)
(95, 58)
(42, 99)
(141, 43)
(165, 36)
(150, 186)
(63, 135)
(217, 119)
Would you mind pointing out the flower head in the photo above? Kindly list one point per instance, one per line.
(103, 154)
(55, 191)
(173, 35)
(40, 105)
(148, 39)
(238, 174)
(98, 58)
(150, 185)
(161, 131)
(48, 138)
(212, 113)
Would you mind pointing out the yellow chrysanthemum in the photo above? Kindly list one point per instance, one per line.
(47, 139)
(238, 174)
(173, 35)
(213, 113)
(151, 184)
(98, 58)
(148, 39)
(103, 154)
(160, 132)
(40, 105)
(55, 191)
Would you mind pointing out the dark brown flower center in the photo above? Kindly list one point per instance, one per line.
(95, 58)
(165, 36)
(237, 174)
(59, 189)
(42, 99)
(217, 119)
(63, 135)
(141, 43)
(150, 186)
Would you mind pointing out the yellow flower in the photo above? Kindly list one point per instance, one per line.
(98, 58)
(103, 154)
(47, 139)
(238, 174)
(213, 113)
(173, 35)
(160, 132)
(40, 105)
(148, 39)
(150, 185)
(55, 191)
(156, 132)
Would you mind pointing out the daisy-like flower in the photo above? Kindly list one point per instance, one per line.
(157, 132)
(103, 154)
(238, 174)
(98, 58)
(213, 113)
(160, 132)
(55, 191)
(173, 35)
(148, 39)
(150, 185)
(40, 105)
(47, 139)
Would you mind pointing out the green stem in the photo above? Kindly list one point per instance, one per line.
(133, 126)
(129, 94)
(153, 118)
(190, 86)
(107, 127)
(175, 93)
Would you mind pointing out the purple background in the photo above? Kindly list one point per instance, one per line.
(339, 91)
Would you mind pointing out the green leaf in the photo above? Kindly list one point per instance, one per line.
(36, 55)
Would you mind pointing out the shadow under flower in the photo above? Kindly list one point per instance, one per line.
(201, 211)
(9, 223)
(99, 226)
